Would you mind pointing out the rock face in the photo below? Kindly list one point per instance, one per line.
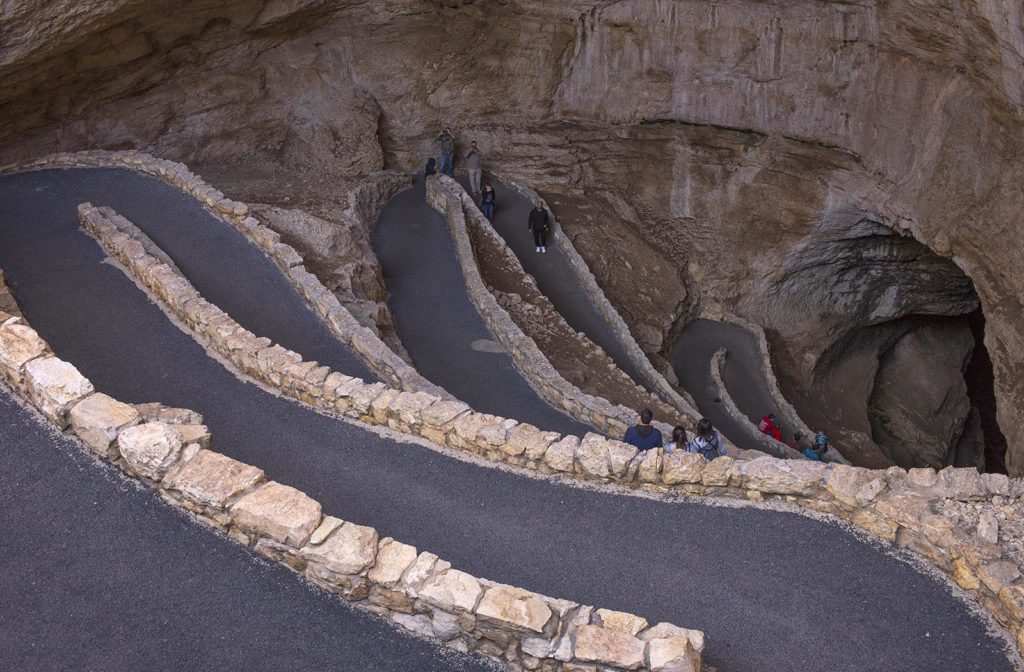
(919, 407)
(702, 144)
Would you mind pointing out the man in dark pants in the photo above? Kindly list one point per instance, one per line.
(539, 226)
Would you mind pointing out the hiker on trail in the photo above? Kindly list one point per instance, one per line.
(776, 433)
(643, 436)
(447, 142)
(473, 167)
(431, 168)
(678, 441)
(539, 226)
(487, 200)
(707, 442)
(767, 424)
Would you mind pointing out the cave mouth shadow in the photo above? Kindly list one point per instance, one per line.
(879, 340)
(981, 385)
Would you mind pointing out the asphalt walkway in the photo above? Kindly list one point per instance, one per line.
(99, 574)
(691, 357)
(438, 323)
(555, 278)
(774, 591)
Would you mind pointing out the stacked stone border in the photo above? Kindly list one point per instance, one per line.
(362, 340)
(771, 446)
(895, 505)
(169, 450)
(783, 408)
(651, 376)
(449, 198)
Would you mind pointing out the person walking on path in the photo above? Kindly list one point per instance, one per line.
(643, 437)
(487, 200)
(473, 158)
(767, 424)
(539, 226)
(708, 441)
(447, 142)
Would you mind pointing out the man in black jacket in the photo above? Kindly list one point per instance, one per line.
(539, 226)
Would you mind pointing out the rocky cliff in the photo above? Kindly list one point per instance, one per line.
(713, 147)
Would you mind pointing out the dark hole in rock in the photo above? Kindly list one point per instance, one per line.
(880, 341)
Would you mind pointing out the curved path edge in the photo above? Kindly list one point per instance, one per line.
(895, 505)
(770, 445)
(786, 410)
(416, 590)
(588, 281)
(449, 198)
(364, 200)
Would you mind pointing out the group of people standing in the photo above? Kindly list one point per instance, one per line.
(539, 222)
(474, 167)
(707, 441)
(815, 451)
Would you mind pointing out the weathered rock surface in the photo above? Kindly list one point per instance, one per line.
(278, 511)
(54, 386)
(98, 419)
(150, 449)
(212, 479)
(702, 147)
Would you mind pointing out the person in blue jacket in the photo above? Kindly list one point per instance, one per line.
(644, 436)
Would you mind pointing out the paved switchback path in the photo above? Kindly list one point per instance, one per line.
(555, 278)
(691, 356)
(99, 574)
(773, 591)
(438, 322)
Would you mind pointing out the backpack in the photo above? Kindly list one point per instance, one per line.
(709, 450)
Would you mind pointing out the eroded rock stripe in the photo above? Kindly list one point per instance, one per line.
(896, 505)
(169, 450)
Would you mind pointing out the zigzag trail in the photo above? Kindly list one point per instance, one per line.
(772, 590)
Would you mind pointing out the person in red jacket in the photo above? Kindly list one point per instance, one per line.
(767, 424)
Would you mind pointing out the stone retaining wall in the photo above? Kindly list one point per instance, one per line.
(784, 409)
(164, 449)
(896, 505)
(770, 445)
(363, 341)
(449, 198)
(651, 376)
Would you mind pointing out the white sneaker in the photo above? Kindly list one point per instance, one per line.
(544, 250)
(538, 249)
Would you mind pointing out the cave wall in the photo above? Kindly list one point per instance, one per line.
(714, 138)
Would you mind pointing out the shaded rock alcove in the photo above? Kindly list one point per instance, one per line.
(880, 341)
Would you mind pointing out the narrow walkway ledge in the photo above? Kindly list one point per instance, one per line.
(638, 363)
(360, 340)
(908, 508)
(416, 590)
(447, 197)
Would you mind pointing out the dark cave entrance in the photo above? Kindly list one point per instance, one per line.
(900, 371)
(980, 379)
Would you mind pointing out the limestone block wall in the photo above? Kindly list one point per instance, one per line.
(361, 340)
(784, 409)
(771, 446)
(909, 508)
(651, 376)
(447, 197)
(164, 449)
